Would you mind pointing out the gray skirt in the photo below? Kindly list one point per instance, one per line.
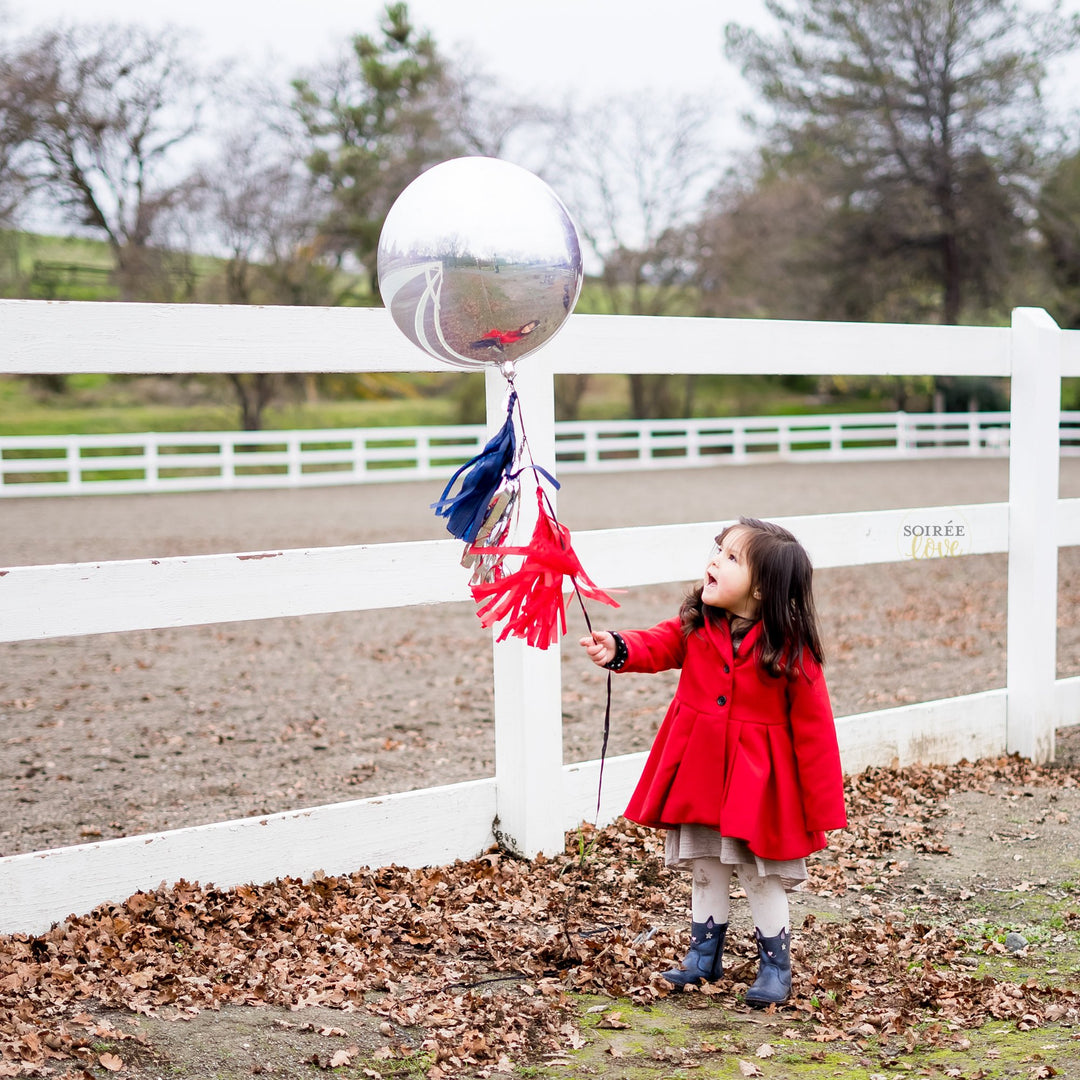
(684, 843)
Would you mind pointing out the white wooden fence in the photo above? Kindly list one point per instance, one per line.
(231, 460)
(533, 797)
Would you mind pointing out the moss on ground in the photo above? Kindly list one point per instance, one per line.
(673, 1039)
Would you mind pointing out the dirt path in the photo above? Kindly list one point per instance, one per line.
(127, 733)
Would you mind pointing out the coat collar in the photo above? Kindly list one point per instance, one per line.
(718, 632)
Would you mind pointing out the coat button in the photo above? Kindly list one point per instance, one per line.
(727, 669)
(721, 700)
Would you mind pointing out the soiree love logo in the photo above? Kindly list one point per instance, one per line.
(935, 532)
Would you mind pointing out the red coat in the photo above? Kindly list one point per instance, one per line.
(752, 756)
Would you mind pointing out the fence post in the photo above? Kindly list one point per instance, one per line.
(591, 457)
(294, 468)
(227, 447)
(359, 455)
(783, 438)
(645, 444)
(738, 442)
(693, 441)
(1034, 460)
(151, 470)
(422, 446)
(73, 462)
(528, 681)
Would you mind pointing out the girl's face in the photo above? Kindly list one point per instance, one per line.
(727, 577)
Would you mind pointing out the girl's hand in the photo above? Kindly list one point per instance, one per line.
(600, 647)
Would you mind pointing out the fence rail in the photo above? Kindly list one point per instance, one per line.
(206, 461)
(533, 797)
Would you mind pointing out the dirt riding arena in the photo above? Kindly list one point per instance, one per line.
(119, 734)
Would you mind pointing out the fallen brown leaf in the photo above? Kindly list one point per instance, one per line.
(613, 1021)
(343, 1057)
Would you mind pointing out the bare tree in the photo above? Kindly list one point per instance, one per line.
(263, 211)
(758, 248)
(105, 109)
(14, 132)
(1059, 226)
(634, 172)
(484, 118)
(12, 145)
(260, 208)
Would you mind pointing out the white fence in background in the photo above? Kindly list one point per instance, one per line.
(232, 460)
(533, 796)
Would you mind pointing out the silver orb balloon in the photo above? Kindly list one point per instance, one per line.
(479, 262)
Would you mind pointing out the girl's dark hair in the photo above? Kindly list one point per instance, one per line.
(780, 570)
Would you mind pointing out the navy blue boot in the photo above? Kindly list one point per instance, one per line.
(704, 961)
(773, 983)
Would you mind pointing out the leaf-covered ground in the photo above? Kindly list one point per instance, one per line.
(499, 965)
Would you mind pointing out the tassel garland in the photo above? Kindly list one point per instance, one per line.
(530, 599)
(481, 477)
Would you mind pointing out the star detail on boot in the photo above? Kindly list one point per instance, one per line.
(704, 961)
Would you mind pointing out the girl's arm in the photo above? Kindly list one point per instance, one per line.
(658, 649)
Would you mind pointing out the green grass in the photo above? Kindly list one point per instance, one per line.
(96, 404)
(76, 421)
(38, 267)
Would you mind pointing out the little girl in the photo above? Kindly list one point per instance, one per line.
(744, 773)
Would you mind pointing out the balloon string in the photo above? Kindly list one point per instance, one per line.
(526, 449)
(607, 706)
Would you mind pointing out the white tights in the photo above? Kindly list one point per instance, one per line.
(711, 895)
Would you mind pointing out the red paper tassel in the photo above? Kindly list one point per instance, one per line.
(531, 598)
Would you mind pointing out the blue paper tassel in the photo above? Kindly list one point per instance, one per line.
(481, 477)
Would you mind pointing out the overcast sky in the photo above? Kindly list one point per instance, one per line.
(546, 49)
